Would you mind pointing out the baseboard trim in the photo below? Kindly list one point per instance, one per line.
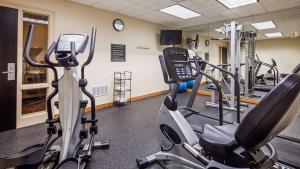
(250, 100)
(133, 99)
(201, 92)
(137, 98)
(243, 99)
(203, 83)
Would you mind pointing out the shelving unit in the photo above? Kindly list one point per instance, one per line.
(122, 88)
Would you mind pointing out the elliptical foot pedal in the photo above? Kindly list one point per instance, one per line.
(101, 145)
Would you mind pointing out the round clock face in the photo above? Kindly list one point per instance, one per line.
(118, 25)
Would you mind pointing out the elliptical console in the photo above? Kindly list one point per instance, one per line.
(64, 48)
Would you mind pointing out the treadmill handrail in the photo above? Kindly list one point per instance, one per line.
(237, 87)
(199, 72)
(164, 70)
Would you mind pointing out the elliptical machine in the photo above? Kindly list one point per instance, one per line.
(72, 153)
(229, 146)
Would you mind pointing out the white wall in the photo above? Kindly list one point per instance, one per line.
(71, 17)
(68, 17)
(286, 52)
(212, 49)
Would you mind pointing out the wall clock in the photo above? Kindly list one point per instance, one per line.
(118, 24)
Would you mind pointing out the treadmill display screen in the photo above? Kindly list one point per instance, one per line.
(178, 65)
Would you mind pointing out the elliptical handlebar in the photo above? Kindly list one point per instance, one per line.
(48, 54)
(83, 82)
(92, 46)
(73, 54)
(51, 129)
(92, 50)
(28, 59)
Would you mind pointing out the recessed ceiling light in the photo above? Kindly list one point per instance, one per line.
(264, 25)
(218, 30)
(236, 3)
(180, 11)
(274, 34)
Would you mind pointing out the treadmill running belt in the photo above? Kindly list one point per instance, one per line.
(288, 151)
(265, 88)
(69, 165)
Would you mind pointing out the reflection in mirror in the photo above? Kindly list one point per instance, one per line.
(285, 21)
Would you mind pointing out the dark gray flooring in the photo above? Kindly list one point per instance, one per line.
(131, 130)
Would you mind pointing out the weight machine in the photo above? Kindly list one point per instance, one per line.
(234, 31)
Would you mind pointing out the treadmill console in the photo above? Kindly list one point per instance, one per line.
(178, 64)
(64, 43)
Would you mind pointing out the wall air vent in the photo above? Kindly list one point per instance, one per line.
(101, 90)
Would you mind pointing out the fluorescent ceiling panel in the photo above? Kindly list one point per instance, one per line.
(264, 25)
(237, 3)
(218, 30)
(180, 11)
(274, 34)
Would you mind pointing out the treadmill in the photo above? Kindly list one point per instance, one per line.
(273, 69)
(177, 67)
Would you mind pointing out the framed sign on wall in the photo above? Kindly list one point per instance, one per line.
(118, 53)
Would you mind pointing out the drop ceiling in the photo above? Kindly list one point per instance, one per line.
(213, 13)
(287, 21)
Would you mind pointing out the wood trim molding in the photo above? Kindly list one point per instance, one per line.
(133, 99)
(100, 106)
(136, 98)
(141, 97)
(201, 92)
(250, 100)
(202, 83)
(243, 99)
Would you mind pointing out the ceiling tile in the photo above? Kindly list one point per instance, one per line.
(249, 10)
(285, 13)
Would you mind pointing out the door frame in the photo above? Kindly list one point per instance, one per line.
(38, 117)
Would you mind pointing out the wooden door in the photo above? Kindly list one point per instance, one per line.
(8, 62)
